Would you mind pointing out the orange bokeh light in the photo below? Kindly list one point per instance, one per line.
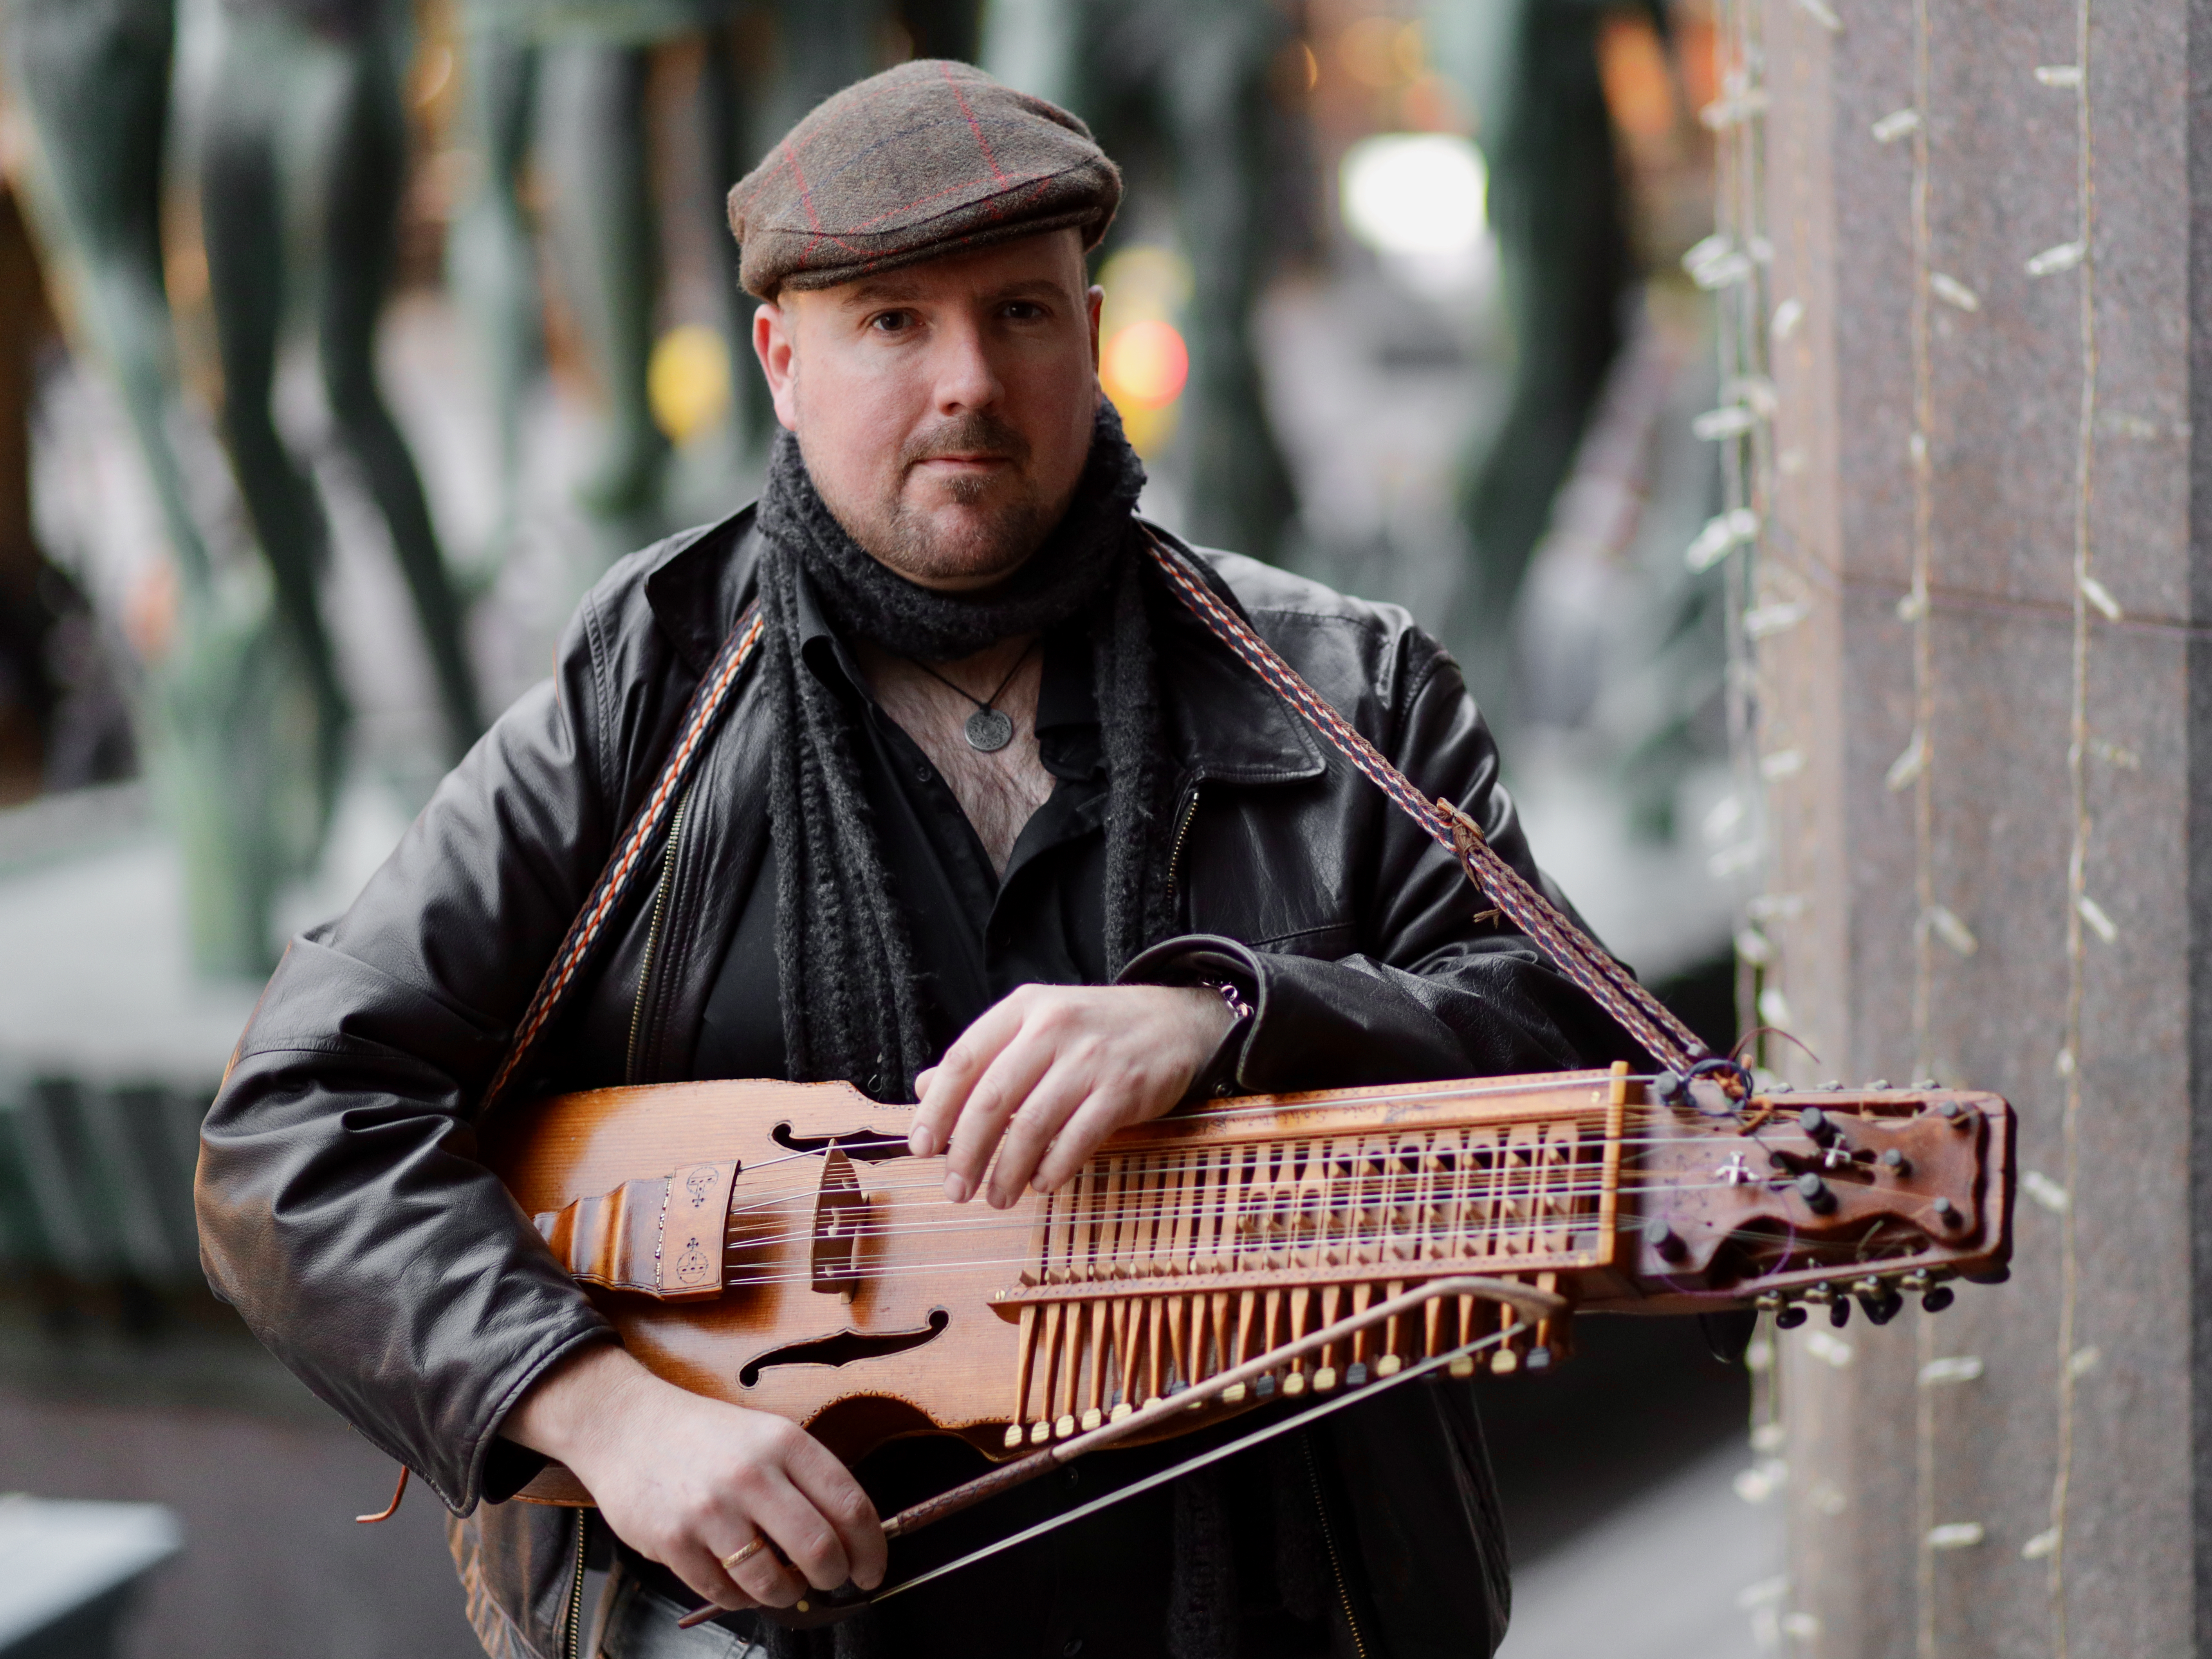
(1145, 364)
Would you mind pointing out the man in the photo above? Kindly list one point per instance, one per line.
(992, 823)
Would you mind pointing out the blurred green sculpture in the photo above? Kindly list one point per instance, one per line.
(244, 793)
(570, 77)
(1181, 86)
(247, 709)
(1530, 69)
(304, 122)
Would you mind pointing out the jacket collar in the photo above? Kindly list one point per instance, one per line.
(698, 583)
(1223, 720)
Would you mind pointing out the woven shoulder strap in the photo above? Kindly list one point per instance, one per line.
(1578, 956)
(632, 853)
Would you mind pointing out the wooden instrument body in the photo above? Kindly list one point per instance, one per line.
(849, 1296)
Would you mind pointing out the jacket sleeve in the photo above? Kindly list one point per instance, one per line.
(341, 1207)
(1435, 991)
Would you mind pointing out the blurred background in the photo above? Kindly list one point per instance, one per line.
(343, 344)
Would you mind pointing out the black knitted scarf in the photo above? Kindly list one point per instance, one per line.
(843, 945)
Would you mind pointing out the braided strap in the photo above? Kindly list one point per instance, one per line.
(1577, 955)
(584, 935)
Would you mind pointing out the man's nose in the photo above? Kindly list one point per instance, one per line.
(966, 377)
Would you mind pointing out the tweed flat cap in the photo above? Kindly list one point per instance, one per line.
(925, 160)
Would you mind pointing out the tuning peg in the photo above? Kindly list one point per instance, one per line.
(1814, 1191)
(1789, 1316)
(1934, 1298)
(1896, 1162)
(1839, 1312)
(1672, 1089)
(1819, 1125)
(1879, 1302)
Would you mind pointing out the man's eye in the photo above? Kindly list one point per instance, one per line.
(1024, 311)
(891, 322)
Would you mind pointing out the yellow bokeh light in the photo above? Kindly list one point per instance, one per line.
(688, 381)
(1145, 364)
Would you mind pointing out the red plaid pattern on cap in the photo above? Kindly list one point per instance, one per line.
(925, 160)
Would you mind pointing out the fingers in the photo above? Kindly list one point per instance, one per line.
(1098, 1115)
(837, 1497)
(995, 1098)
(1040, 1122)
(945, 1086)
(699, 1564)
(803, 1548)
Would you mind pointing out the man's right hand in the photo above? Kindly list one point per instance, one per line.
(688, 1481)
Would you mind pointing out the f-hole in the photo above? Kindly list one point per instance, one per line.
(862, 1146)
(844, 1348)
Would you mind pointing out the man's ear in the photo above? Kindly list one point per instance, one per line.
(1095, 302)
(778, 352)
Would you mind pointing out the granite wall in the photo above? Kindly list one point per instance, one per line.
(1980, 704)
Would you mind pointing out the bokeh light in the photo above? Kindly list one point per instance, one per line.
(1143, 359)
(1415, 194)
(688, 381)
(1145, 364)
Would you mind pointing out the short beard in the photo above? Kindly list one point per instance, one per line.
(908, 539)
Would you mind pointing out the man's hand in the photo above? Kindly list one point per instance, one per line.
(1045, 1076)
(686, 1481)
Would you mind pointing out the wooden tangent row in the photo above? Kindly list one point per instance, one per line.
(1097, 1360)
(1158, 1268)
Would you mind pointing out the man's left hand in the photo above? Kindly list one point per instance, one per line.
(1048, 1074)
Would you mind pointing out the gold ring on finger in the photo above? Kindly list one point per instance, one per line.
(737, 1557)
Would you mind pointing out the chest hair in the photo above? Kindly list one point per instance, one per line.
(998, 792)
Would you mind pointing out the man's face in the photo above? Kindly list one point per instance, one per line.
(945, 410)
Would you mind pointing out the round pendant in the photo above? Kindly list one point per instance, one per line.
(989, 731)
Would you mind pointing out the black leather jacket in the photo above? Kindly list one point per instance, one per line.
(342, 1208)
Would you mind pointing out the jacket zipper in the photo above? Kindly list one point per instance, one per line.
(653, 933)
(572, 1622)
(1328, 1538)
(1182, 834)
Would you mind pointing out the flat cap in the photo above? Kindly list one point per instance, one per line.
(925, 160)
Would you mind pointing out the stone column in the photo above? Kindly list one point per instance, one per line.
(1979, 720)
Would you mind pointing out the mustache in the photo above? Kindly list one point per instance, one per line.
(977, 432)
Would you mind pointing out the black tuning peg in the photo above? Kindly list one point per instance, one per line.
(1814, 1191)
(1936, 1297)
(1879, 1302)
(1819, 1125)
(1839, 1312)
(1790, 1316)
